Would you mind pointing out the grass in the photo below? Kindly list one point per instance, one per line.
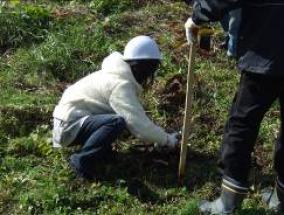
(46, 45)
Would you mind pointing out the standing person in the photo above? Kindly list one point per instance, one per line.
(261, 64)
(231, 25)
(94, 111)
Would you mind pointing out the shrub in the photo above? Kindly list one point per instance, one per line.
(23, 24)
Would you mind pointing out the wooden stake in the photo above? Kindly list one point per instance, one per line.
(187, 116)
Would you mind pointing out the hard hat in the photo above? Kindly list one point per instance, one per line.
(142, 48)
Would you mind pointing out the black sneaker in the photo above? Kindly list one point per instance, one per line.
(81, 173)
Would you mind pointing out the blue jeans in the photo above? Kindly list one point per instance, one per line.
(97, 134)
(231, 25)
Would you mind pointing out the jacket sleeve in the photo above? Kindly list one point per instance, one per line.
(125, 103)
(212, 10)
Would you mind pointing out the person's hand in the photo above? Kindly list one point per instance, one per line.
(191, 30)
(173, 140)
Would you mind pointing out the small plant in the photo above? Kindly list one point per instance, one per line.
(37, 143)
(191, 208)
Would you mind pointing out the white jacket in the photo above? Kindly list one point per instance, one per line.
(113, 89)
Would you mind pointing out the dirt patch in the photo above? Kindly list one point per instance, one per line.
(172, 95)
(171, 98)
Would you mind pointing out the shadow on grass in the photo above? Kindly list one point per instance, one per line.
(145, 172)
(254, 211)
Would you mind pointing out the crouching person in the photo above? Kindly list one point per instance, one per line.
(94, 111)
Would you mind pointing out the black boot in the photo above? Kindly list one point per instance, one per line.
(274, 198)
(231, 198)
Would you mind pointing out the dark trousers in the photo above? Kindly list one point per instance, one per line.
(96, 136)
(255, 96)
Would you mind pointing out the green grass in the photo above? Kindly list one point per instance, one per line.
(46, 45)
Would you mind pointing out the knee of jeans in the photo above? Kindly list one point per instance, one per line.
(120, 122)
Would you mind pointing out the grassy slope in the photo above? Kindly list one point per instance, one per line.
(42, 50)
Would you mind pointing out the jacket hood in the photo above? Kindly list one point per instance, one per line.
(115, 64)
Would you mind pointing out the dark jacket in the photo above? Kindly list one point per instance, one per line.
(261, 36)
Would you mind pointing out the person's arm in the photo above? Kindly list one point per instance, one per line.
(212, 10)
(205, 11)
(125, 103)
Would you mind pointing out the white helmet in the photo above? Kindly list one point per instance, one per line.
(142, 48)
